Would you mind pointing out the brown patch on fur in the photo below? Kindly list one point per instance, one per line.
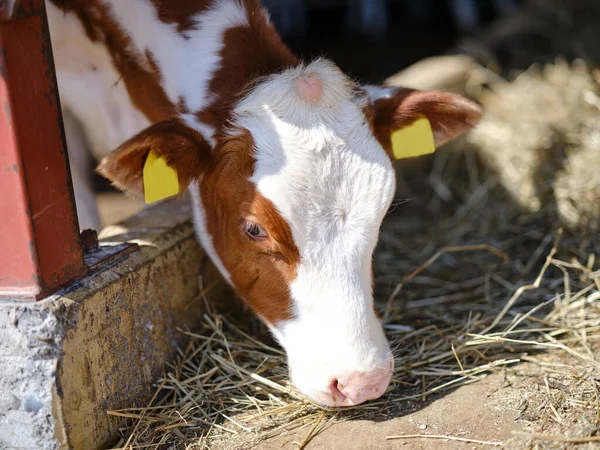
(183, 149)
(181, 12)
(143, 85)
(260, 270)
(378, 130)
(450, 115)
(249, 52)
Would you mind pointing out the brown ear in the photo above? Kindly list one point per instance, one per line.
(183, 149)
(450, 115)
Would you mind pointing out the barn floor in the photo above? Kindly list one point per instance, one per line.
(488, 411)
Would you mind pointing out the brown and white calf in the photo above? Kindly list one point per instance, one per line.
(289, 164)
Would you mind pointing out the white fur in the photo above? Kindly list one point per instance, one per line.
(80, 163)
(102, 115)
(98, 98)
(377, 92)
(332, 182)
(202, 232)
(187, 63)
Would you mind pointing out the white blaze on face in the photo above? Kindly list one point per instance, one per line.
(331, 180)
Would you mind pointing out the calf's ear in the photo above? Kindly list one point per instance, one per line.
(450, 115)
(181, 148)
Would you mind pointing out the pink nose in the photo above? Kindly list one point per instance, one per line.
(360, 387)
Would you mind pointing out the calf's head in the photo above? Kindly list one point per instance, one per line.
(288, 201)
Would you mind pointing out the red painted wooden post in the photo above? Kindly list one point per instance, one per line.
(39, 234)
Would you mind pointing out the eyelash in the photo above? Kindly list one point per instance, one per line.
(250, 228)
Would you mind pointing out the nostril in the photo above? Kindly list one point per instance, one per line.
(335, 387)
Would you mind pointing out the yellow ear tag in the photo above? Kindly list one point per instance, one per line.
(413, 140)
(160, 180)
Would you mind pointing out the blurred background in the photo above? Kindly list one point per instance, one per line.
(371, 39)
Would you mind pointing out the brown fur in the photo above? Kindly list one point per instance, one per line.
(450, 115)
(181, 12)
(260, 270)
(183, 149)
(248, 53)
(143, 84)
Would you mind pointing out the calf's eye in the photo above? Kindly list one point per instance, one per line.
(254, 230)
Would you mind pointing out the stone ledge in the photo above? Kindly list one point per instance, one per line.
(102, 342)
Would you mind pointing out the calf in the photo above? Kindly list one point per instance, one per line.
(289, 164)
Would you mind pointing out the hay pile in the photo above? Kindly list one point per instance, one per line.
(541, 134)
(471, 279)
